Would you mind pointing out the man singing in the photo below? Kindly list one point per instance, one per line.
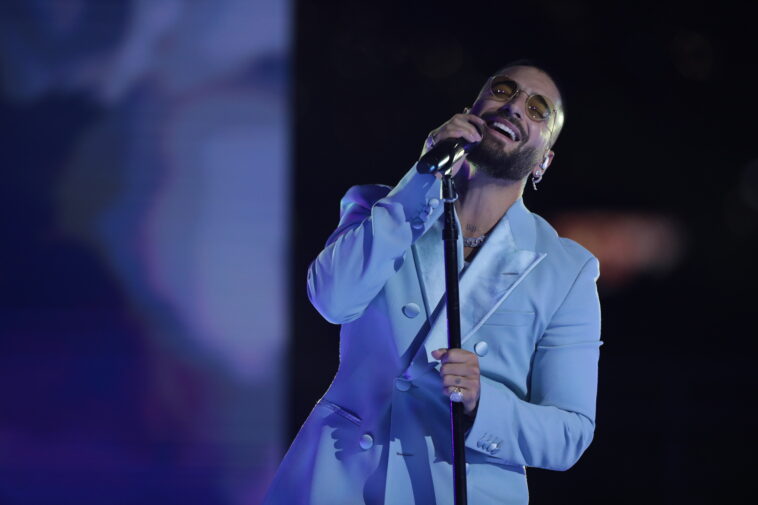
(530, 325)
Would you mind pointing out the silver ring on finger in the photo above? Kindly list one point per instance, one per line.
(456, 395)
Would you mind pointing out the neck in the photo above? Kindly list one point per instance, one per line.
(483, 200)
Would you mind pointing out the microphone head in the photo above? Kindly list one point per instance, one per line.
(447, 151)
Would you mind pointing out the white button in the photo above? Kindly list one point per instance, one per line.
(434, 202)
(417, 224)
(402, 385)
(367, 441)
(411, 310)
(481, 348)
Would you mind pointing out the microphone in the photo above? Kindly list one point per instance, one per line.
(443, 155)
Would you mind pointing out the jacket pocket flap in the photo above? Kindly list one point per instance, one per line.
(339, 410)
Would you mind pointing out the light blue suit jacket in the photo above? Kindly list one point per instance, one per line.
(529, 309)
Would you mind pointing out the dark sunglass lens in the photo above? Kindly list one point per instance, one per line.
(538, 108)
(504, 88)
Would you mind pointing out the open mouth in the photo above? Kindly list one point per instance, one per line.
(504, 130)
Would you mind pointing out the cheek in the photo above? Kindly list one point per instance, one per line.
(539, 138)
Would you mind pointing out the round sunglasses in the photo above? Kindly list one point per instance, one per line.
(505, 89)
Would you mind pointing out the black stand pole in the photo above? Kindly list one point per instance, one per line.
(450, 238)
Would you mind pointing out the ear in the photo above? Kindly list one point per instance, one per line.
(545, 163)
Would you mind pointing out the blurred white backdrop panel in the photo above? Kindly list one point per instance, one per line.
(181, 187)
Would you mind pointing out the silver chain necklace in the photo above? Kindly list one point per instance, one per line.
(473, 241)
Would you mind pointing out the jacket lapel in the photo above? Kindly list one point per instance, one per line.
(506, 258)
(429, 255)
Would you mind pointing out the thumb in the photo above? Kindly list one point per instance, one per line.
(438, 353)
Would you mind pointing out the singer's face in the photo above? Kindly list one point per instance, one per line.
(513, 157)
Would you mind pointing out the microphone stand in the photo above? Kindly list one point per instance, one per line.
(450, 239)
(441, 158)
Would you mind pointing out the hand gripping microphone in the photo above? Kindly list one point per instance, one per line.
(443, 155)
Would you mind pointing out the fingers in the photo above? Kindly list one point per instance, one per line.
(459, 126)
(458, 394)
(464, 375)
(450, 381)
(478, 123)
(438, 353)
(455, 356)
(460, 372)
(460, 369)
(467, 393)
(465, 126)
(469, 398)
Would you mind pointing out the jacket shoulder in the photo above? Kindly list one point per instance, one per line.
(562, 247)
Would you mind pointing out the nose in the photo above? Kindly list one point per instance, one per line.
(513, 108)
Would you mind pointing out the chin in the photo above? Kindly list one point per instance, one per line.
(493, 161)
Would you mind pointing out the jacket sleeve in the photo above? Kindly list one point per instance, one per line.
(557, 424)
(377, 226)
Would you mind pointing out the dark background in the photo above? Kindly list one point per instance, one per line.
(111, 393)
(660, 122)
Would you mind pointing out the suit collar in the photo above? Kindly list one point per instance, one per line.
(523, 227)
(506, 258)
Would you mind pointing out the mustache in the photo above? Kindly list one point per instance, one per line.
(511, 119)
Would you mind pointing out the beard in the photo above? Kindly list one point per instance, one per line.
(489, 157)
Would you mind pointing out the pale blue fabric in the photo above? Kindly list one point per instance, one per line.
(381, 432)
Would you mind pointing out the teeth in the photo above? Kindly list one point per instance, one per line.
(505, 129)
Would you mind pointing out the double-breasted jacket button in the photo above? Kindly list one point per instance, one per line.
(402, 384)
(481, 348)
(411, 310)
(433, 203)
(367, 441)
